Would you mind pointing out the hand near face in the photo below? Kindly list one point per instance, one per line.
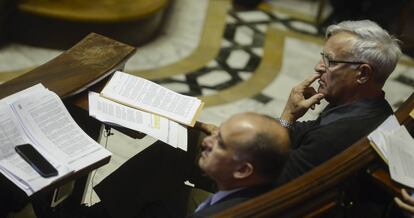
(301, 98)
(407, 202)
(207, 128)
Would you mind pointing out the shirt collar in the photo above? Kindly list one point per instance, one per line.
(359, 108)
(221, 194)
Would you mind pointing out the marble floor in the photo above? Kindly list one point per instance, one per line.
(233, 60)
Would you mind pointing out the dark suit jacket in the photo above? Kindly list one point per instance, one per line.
(314, 142)
(151, 183)
(233, 199)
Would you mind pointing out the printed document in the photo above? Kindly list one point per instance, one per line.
(377, 137)
(37, 116)
(396, 146)
(156, 126)
(401, 156)
(148, 96)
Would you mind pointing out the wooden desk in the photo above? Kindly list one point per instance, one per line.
(85, 66)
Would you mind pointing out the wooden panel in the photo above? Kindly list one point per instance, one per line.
(382, 177)
(88, 62)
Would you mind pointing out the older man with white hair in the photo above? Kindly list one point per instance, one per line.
(356, 60)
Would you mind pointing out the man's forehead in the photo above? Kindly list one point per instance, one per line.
(339, 44)
(234, 123)
(342, 38)
(238, 128)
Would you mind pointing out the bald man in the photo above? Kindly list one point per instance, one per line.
(241, 157)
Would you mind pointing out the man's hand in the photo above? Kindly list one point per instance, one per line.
(301, 98)
(407, 204)
(207, 128)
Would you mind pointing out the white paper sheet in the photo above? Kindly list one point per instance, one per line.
(38, 116)
(12, 134)
(158, 127)
(51, 126)
(389, 126)
(151, 97)
(18, 170)
(401, 156)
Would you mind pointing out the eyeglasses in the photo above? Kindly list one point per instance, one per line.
(327, 62)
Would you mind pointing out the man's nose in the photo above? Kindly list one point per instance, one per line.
(320, 67)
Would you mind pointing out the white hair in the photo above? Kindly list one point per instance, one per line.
(373, 46)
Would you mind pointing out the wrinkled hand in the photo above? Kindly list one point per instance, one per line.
(207, 128)
(407, 203)
(301, 98)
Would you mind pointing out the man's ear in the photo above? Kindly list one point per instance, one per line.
(245, 170)
(365, 73)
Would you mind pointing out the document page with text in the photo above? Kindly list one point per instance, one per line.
(51, 126)
(156, 126)
(377, 137)
(38, 117)
(401, 156)
(145, 95)
(12, 165)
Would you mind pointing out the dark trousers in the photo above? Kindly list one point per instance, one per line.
(12, 198)
(151, 184)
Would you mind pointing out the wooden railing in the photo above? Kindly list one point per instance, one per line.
(88, 62)
(323, 188)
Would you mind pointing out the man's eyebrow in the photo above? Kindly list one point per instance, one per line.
(328, 55)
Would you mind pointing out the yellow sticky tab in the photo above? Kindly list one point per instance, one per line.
(156, 123)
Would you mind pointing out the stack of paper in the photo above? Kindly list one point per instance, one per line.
(37, 116)
(396, 146)
(156, 126)
(145, 106)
